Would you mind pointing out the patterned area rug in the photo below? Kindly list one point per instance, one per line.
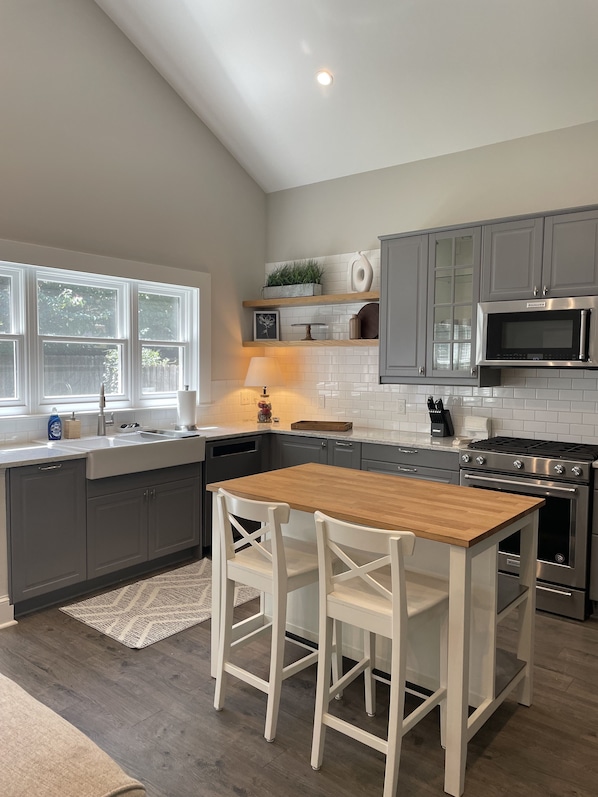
(146, 612)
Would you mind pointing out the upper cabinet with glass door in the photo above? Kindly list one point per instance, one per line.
(429, 291)
(453, 291)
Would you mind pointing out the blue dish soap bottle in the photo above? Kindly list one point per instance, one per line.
(54, 425)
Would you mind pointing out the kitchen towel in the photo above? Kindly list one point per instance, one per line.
(186, 405)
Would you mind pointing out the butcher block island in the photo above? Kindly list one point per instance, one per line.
(458, 531)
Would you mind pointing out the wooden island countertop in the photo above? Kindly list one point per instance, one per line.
(447, 513)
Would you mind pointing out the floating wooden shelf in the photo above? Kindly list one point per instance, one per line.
(274, 343)
(305, 301)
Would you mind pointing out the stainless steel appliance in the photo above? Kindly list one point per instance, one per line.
(562, 474)
(539, 332)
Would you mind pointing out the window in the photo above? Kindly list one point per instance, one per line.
(163, 340)
(64, 333)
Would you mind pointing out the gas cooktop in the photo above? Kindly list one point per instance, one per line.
(537, 448)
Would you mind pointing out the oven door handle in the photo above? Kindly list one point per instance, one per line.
(513, 483)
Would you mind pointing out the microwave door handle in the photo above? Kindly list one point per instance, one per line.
(583, 335)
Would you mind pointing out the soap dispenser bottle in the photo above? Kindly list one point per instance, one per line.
(54, 425)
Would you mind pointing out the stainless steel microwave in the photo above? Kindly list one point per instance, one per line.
(562, 333)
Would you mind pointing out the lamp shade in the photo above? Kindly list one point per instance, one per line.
(263, 371)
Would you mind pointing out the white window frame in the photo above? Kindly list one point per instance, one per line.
(197, 373)
(122, 339)
(18, 334)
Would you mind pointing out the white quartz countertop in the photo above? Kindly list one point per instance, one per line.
(39, 452)
(357, 434)
(35, 453)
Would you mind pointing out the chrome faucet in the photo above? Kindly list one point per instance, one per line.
(102, 422)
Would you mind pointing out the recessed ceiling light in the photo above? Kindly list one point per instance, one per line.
(324, 77)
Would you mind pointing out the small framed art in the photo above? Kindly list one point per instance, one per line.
(266, 325)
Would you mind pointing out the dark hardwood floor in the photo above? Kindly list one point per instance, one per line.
(152, 711)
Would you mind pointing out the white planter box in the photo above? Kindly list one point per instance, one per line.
(284, 291)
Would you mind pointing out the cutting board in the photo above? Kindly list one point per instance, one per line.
(323, 426)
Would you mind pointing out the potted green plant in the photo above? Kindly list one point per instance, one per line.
(299, 278)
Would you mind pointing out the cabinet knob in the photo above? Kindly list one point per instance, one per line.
(421, 370)
(536, 290)
(545, 290)
(474, 371)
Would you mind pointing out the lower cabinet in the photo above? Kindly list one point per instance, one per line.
(46, 522)
(142, 516)
(415, 463)
(298, 450)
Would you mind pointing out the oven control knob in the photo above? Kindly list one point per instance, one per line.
(576, 470)
(560, 469)
(465, 458)
(480, 460)
(518, 464)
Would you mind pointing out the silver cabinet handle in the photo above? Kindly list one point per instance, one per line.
(406, 470)
(545, 290)
(50, 467)
(536, 291)
(408, 450)
(341, 444)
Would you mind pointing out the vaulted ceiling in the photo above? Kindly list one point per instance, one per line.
(413, 79)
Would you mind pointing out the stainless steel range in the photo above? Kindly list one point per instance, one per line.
(562, 474)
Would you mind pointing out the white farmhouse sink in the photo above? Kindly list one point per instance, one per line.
(95, 443)
(134, 452)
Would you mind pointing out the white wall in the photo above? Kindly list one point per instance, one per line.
(544, 172)
(99, 155)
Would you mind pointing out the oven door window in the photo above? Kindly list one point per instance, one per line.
(556, 526)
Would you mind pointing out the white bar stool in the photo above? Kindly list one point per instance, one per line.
(273, 563)
(362, 582)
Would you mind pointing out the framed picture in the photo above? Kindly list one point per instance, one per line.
(266, 325)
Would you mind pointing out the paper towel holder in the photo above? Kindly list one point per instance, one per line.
(185, 427)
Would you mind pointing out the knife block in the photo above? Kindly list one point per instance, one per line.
(442, 423)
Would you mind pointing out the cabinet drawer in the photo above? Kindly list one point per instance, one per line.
(412, 471)
(410, 456)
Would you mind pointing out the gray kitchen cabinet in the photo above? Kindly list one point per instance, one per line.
(428, 301)
(231, 458)
(403, 308)
(550, 256)
(411, 462)
(344, 453)
(512, 259)
(453, 290)
(46, 521)
(142, 516)
(571, 254)
(298, 450)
